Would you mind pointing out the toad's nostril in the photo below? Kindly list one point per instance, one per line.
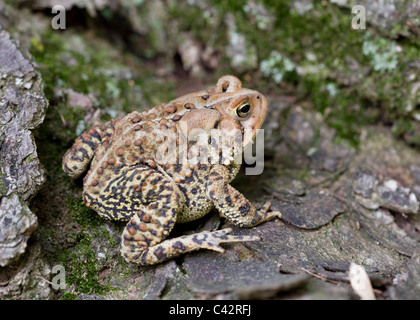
(225, 86)
(228, 84)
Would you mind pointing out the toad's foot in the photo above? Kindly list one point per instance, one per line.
(269, 214)
(211, 240)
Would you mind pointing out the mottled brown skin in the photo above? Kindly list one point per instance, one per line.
(126, 180)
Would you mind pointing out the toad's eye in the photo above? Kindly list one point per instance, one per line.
(243, 110)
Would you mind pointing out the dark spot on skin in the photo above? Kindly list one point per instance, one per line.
(258, 97)
(194, 190)
(167, 226)
(170, 109)
(155, 181)
(144, 256)
(84, 155)
(135, 258)
(205, 97)
(224, 236)
(188, 179)
(147, 240)
(162, 213)
(92, 145)
(150, 194)
(179, 246)
(96, 135)
(176, 118)
(128, 238)
(229, 201)
(199, 241)
(135, 226)
(153, 205)
(168, 188)
(244, 210)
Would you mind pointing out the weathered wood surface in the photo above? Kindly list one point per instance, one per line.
(22, 109)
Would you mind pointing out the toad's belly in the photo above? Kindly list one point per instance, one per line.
(197, 204)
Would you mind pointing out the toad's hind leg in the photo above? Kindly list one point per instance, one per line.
(141, 246)
(143, 239)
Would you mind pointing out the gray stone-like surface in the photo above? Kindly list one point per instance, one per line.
(17, 223)
(392, 16)
(373, 193)
(26, 278)
(310, 211)
(408, 284)
(213, 273)
(22, 109)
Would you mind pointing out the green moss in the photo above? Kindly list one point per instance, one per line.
(88, 69)
(11, 3)
(348, 97)
(193, 18)
(91, 68)
(82, 264)
(413, 138)
(82, 269)
(3, 188)
(68, 246)
(292, 44)
(401, 126)
(68, 296)
(80, 213)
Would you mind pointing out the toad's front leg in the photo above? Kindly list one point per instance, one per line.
(231, 203)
